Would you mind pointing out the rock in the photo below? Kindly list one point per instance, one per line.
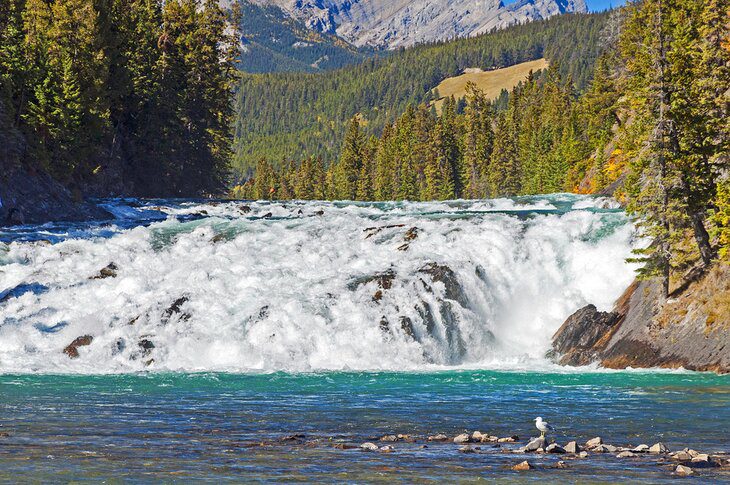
(692, 453)
(387, 449)
(268, 215)
(577, 338)
(683, 470)
(146, 346)
(109, 271)
(411, 234)
(378, 296)
(599, 449)
(384, 280)
(523, 466)
(467, 449)
(438, 437)
(534, 445)
(174, 309)
(554, 448)
(319, 213)
(561, 464)
(703, 460)
(293, 437)
(572, 447)
(610, 448)
(369, 447)
(477, 436)
(462, 438)
(583, 454)
(72, 349)
(658, 448)
(244, 209)
(509, 439)
(594, 442)
(626, 454)
(218, 238)
(390, 438)
(444, 274)
(641, 449)
(682, 456)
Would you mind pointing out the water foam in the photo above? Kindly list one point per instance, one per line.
(295, 286)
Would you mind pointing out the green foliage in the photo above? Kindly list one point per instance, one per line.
(296, 115)
(121, 95)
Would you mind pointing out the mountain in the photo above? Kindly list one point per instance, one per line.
(274, 41)
(402, 23)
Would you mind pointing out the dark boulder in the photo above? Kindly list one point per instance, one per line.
(109, 271)
(577, 340)
(72, 349)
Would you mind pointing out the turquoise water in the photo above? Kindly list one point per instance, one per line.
(227, 427)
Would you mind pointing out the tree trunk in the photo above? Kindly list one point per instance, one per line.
(702, 237)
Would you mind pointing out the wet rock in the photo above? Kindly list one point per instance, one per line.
(4, 434)
(244, 209)
(508, 439)
(118, 346)
(477, 436)
(319, 213)
(641, 449)
(72, 349)
(658, 448)
(572, 447)
(523, 466)
(268, 215)
(384, 280)
(369, 447)
(610, 448)
(692, 453)
(561, 465)
(411, 234)
(293, 437)
(583, 454)
(438, 437)
(600, 449)
(467, 449)
(345, 446)
(218, 238)
(446, 276)
(577, 338)
(534, 445)
(109, 271)
(626, 454)
(594, 442)
(372, 231)
(683, 470)
(176, 309)
(462, 438)
(406, 324)
(387, 449)
(378, 296)
(554, 448)
(390, 438)
(149, 362)
(146, 346)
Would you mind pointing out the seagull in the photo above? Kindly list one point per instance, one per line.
(542, 426)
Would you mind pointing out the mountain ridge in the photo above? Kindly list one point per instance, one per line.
(393, 24)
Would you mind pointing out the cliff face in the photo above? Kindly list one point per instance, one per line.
(691, 330)
(401, 23)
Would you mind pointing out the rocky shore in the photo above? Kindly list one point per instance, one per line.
(691, 330)
(35, 198)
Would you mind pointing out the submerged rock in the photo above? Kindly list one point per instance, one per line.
(72, 349)
(176, 309)
(109, 271)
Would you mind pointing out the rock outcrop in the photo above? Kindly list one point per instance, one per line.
(691, 329)
(393, 24)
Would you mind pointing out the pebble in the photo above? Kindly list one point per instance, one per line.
(683, 470)
(525, 465)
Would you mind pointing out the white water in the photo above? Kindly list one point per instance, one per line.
(522, 266)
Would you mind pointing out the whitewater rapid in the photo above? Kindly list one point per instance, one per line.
(308, 286)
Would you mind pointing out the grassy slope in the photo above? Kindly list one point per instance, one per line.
(491, 82)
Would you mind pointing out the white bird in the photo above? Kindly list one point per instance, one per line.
(543, 426)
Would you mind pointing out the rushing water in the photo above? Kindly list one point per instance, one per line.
(226, 327)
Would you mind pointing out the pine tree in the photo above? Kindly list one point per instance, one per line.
(348, 169)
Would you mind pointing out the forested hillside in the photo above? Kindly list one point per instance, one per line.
(285, 116)
(272, 41)
(117, 96)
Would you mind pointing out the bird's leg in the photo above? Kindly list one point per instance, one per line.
(542, 434)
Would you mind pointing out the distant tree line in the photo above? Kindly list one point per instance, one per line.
(127, 96)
